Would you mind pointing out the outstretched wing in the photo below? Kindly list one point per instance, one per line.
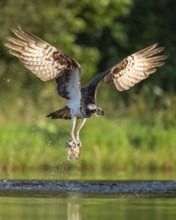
(136, 67)
(129, 72)
(45, 61)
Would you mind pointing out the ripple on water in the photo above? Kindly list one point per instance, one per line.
(157, 189)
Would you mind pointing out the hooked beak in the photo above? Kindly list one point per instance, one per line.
(100, 111)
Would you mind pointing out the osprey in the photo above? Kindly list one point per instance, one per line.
(48, 63)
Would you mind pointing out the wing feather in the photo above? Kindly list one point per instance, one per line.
(136, 67)
(44, 60)
(38, 55)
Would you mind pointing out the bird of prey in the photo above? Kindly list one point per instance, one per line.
(48, 63)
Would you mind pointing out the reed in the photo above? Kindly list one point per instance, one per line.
(122, 144)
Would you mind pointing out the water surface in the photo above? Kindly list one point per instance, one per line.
(84, 195)
(86, 209)
(88, 189)
(64, 173)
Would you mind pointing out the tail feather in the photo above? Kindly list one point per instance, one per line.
(63, 113)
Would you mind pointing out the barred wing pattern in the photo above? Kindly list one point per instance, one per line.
(136, 67)
(44, 60)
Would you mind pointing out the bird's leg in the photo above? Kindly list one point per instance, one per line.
(73, 151)
(72, 128)
(78, 129)
(72, 142)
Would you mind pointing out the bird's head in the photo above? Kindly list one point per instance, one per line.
(93, 110)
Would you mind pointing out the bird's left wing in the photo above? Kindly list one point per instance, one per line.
(129, 72)
(136, 67)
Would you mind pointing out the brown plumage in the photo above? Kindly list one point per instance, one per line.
(136, 67)
(63, 113)
(44, 60)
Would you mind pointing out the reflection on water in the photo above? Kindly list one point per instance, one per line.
(56, 207)
(86, 209)
(73, 211)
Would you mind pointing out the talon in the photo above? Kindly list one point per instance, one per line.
(71, 144)
(78, 143)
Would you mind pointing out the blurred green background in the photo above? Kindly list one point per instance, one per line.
(138, 131)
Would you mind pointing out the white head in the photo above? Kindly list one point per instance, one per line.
(92, 107)
(94, 110)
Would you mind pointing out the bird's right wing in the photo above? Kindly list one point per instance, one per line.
(44, 60)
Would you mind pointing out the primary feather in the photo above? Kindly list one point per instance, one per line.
(46, 62)
(136, 67)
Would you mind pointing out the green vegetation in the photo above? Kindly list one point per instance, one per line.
(144, 141)
(138, 131)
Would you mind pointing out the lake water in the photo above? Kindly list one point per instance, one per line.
(86, 209)
(87, 200)
(87, 196)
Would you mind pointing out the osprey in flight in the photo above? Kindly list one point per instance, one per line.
(47, 63)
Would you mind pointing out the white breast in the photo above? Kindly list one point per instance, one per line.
(74, 92)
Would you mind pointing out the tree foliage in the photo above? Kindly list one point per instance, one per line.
(78, 29)
(97, 33)
(150, 22)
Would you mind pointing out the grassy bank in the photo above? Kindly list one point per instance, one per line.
(122, 143)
